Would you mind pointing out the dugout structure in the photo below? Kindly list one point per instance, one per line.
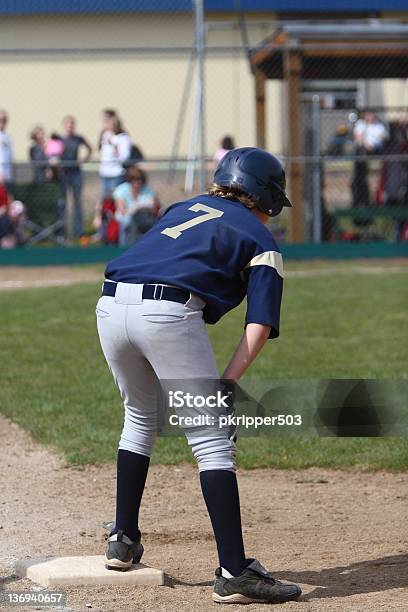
(301, 51)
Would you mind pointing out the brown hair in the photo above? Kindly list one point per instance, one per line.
(232, 193)
(118, 126)
(117, 123)
(109, 112)
(34, 132)
(134, 174)
(228, 143)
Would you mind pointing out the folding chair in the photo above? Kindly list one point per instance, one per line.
(44, 209)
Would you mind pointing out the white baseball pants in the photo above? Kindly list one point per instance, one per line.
(148, 341)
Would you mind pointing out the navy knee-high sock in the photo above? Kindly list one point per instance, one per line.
(132, 471)
(220, 491)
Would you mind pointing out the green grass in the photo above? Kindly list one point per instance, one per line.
(55, 382)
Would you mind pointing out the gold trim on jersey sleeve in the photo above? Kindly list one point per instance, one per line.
(273, 259)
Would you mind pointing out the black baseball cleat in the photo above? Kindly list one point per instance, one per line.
(122, 552)
(254, 584)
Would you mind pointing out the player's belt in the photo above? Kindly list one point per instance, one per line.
(153, 292)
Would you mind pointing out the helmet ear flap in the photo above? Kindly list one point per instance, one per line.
(276, 202)
(277, 209)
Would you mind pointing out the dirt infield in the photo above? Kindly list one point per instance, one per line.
(342, 535)
(19, 277)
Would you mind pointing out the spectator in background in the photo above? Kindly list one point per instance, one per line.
(54, 147)
(7, 233)
(115, 148)
(53, 150)
(339, 140)
(6, 154)
(45, 155)
(42, 170)
(12, 219)
(71, 170)
(137, 205)
(369, 137)
(4, 196)
(370, 134)
(393, 186)
(226, 144)
(17, 213)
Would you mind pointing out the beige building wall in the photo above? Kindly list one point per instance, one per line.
(395, 92)
(146, 88)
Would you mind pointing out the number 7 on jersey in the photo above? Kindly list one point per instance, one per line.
(210, 213)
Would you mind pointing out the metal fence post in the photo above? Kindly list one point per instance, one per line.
(200, 41)
(198, 123)
(316, 183)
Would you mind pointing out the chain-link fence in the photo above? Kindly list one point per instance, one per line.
(355, 173)
(144, 69)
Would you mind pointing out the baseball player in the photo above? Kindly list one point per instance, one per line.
(198, 262)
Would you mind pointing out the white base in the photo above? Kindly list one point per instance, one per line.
(77, 571)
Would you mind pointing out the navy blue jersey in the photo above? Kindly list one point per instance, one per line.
(215, 248)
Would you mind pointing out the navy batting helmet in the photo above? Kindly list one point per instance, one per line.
(258, 174)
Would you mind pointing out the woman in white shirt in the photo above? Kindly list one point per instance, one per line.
(115, 148)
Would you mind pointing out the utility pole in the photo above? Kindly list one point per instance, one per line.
(200, 49)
